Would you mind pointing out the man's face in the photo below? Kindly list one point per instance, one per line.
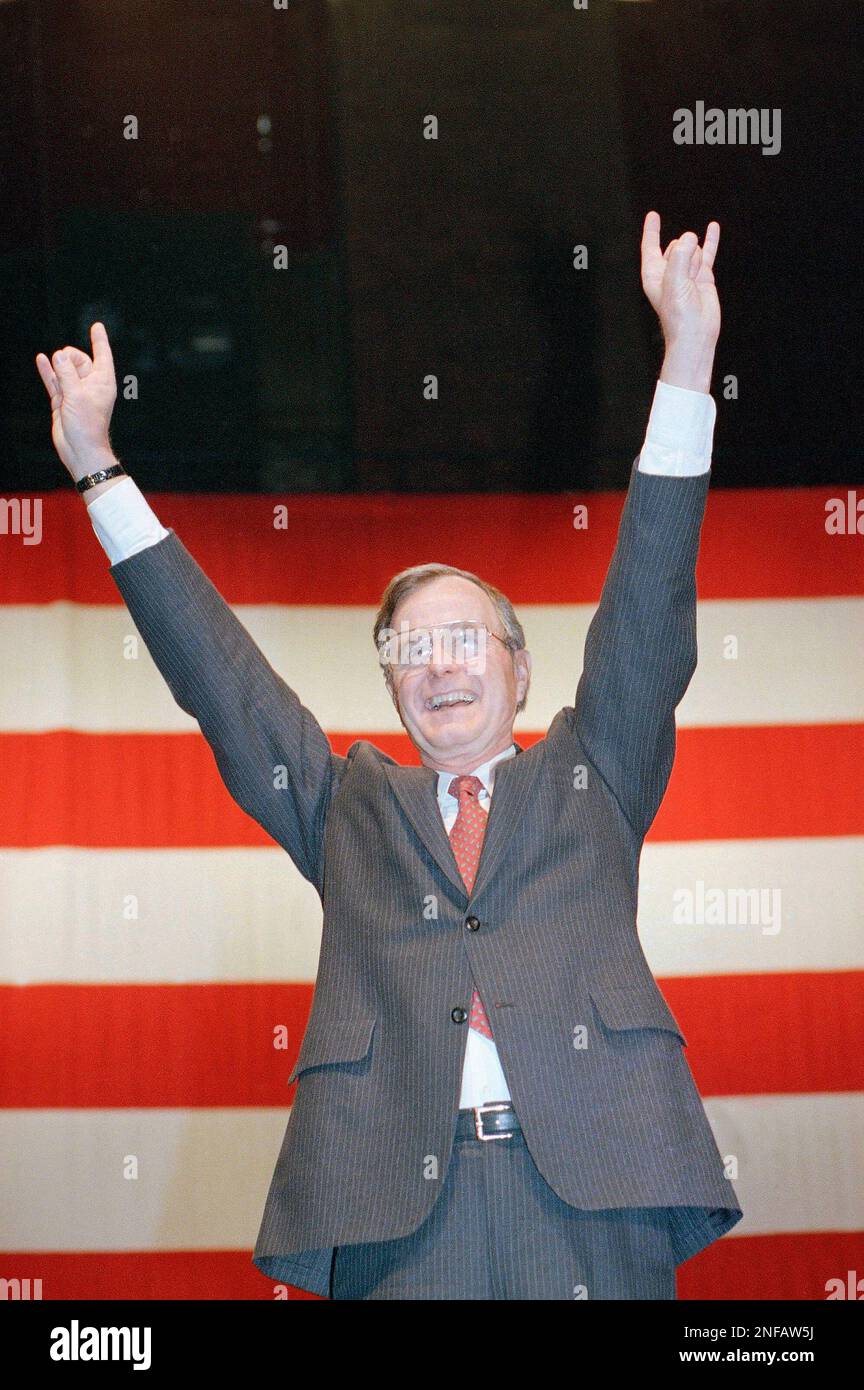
(458, 736)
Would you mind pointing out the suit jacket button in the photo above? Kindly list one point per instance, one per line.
(458, 1015)
(472, 923)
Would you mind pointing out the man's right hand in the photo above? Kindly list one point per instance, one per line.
(82, 391)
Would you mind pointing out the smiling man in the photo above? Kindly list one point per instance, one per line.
(493, 1100)
(463, 670)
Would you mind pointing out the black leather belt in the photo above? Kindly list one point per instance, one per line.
(495, 1121)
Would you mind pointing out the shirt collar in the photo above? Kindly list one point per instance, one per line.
(486, 772)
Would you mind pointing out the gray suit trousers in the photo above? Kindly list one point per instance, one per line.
(498, 1231)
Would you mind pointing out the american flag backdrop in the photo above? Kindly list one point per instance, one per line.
(158, 950)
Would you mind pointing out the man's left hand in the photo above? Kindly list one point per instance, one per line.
(679, 283)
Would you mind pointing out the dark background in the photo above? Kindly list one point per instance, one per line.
(407, 256)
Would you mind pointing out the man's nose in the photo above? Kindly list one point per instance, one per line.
(443, 661)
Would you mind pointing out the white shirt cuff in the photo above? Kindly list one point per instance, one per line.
(124, 521)
(680, 432)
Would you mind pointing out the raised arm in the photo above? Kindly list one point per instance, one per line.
(271, 753)
(640, 651)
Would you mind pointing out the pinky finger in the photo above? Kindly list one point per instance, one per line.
(712, 241)
(49, 379)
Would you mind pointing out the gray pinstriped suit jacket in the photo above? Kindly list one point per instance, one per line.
(617, 1122)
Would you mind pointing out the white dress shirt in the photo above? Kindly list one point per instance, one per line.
(678, 443)
(482, 1073)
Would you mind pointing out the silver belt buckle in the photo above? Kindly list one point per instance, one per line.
(480, 1110)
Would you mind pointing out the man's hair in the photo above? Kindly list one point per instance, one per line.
(405, 583)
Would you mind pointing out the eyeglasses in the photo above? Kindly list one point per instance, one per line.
(459, 642)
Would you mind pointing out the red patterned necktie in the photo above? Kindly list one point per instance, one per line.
(466, 837)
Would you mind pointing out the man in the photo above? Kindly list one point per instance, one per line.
(492, 1100)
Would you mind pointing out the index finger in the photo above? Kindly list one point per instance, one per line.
(102, 355)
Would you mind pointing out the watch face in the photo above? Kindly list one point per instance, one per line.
(102, 476)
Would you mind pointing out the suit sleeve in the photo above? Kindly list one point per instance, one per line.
(640, 651)
(272, 754)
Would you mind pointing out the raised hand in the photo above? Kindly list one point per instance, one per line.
(82, 391)
(679, 283)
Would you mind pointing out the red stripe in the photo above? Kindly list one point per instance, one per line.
(106, 1046)
(112, 790)
(762, 782)
(797, 1265)
(142, 1274)
(103, 1046)
(756, 543)
(766, 1034)
(769, 1267)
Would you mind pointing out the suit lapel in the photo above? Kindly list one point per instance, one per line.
(416, 789)
(514, 778)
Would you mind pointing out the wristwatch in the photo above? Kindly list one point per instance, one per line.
(101, 477)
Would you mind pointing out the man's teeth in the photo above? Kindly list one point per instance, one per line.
(453, 697)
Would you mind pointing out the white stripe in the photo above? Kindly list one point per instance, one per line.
(812, 888)
(218, 915)
(799, 1159)
(232, 915)
(203, 915)
(798, 662)
(203, 1174)
(202, 1178)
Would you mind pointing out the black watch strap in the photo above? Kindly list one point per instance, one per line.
(101, 477)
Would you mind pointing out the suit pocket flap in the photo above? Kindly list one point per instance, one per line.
(621, 1006)
(340, 1039)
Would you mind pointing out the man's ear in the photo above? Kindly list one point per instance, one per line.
(522, 667)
